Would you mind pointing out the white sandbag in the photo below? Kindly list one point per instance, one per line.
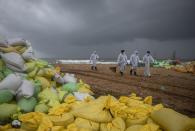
(80, 96)
(13, 59)
(25, 90)
(22, 75)
(11, 82)
(17, 41)
(15, 69)
(29, 54)
(59, 79)
(69, 78)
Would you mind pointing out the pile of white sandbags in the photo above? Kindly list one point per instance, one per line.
(66, 78)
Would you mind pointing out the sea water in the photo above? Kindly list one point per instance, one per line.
(83, 62)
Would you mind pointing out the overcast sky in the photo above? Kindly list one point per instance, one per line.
(74, 28)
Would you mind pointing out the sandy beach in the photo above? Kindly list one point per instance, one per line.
(173, 89)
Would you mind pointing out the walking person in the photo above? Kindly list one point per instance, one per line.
(134, 60)
(93, 60)
(122, 61)
(147, 59)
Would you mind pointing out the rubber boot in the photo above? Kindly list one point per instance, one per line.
(131, 71)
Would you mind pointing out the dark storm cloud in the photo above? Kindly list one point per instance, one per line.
(59, 28)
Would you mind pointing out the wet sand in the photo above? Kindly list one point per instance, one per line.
(174, 89)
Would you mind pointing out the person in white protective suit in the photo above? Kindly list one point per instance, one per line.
(93, 60)
(122, 61)
(147, 59)
(134, 60)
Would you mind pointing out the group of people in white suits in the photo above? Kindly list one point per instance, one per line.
(122, 62)
(134, 61)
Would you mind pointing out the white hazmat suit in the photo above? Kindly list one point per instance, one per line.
(122, 61)
(147, 59)
(134, 60)
(93, 59)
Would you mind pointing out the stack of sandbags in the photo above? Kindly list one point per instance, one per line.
(12, 82)
(67, 78)
(188, 67)
(11, 87)
(14, 61)
(105, 113)
(32, 84)
(15, 52)
(43, 99)
(14, 45)
(14, 87)
(6, 112)
(180, 68)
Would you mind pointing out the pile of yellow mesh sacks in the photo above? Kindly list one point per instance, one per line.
(43, 99)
